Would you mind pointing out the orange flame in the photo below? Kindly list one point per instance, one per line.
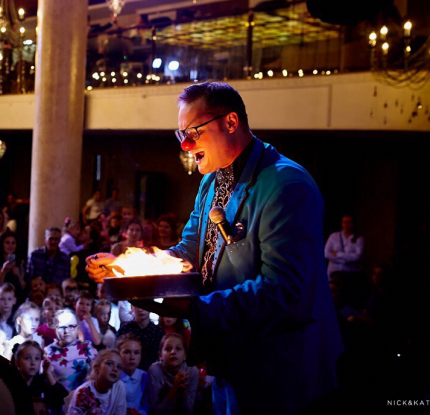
(136, 262)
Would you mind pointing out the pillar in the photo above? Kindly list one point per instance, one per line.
(59, 115)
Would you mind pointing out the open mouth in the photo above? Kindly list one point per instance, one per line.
(199, 157)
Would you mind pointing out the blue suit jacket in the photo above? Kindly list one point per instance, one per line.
(269, 326)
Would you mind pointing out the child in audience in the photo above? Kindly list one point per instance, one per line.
(7, 303)
(102, 393)
(28, 358)
(3, 343)
(172, 384)
(47, 330)
(114, 320)
(27, 320)
(135, 380)
(148, 333)
(71, 358)
(54, 290)
(70, 291)
(102, 312)
(37, 291)
(176, 325)
(89, 325)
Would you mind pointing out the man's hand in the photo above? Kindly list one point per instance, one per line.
(98, 266)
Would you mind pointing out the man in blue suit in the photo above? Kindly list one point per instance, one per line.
(266, 324)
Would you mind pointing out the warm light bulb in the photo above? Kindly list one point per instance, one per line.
(372, 39)
(3, 29)
(113, 80)
(102, 73)
(89, 88)
(385, 47)
(407, 28)
(21, 14)
(408, 49)
(383, 31)
(139, 75)
(285, 72)
(22, 30)
(315, 72)
(124, 74)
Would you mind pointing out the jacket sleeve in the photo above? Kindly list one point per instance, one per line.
(330, 246)
(291, 248)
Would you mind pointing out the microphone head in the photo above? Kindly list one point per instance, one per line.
(217, 215)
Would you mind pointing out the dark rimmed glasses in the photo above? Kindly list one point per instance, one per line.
(70, 327)
(192, 133)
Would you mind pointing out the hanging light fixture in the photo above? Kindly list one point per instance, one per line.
(187, 160)
(2, 148)
(115, 6)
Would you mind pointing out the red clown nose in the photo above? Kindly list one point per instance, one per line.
(188, 145)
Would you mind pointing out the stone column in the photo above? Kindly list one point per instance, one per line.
(59, 115)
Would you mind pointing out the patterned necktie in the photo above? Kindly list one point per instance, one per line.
(223, 191)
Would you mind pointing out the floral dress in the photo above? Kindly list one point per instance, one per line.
(72, 362)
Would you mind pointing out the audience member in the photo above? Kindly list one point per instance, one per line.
(3, 226)
(49, 262)
(70, 240)
(166, 227)
(71, 358)
(344, 249)
(114, 314)
(127, 215)
(134, 235)
(102, 311)
(114, 230)
(88, 324)
(172, 384)
(54, 290)
(148, 333)
(7, 303)
(27, 320)
(102, 393)
(135, 380)
(93, 207)
(113, 204)
(11, 266)
(47, 330)
(70, 292)
(176, 325)
(28, 358)
(37, 291)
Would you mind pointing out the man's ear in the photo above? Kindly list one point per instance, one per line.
(231, 122)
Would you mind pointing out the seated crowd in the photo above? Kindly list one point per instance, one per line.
(79, 353)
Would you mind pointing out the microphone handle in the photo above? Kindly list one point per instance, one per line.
(224, 228)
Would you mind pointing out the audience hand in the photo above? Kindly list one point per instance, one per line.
(97, 266)
(182, 379)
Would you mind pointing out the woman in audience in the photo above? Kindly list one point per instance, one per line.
(135, 379)
(27, 320)
(93, 207)
(11, 269)
(102, 393)
(176, 325)
(71, 358)
(172, 384)
(166, 229)
(28, 358)
(134, 238)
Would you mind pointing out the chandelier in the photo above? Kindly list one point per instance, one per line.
(397, 60)
(187, 160)
(115, 6)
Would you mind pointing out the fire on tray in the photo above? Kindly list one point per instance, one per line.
(135, 262)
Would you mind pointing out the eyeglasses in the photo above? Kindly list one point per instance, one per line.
(192, 133)
(70, 327)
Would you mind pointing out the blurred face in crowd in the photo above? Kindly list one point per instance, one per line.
(29, 362)
(347, 225)
(134, 234)
(84, 235)
(140, 316)
(131, 353)
(100, 291)
(37, 284)
(127, 214)
(52, 240)
(83, 306)
(215, 147)
(103, 315)
(164, 229)
(114, 222)
(7, 301)
(67, 329)
(9, 245)
(173, 353)
(49, 310)
(75, 230)
(97, 196)
(54, 291)
(169, 321)
(29, 322)
(70, 290)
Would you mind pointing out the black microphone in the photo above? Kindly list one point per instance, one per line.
(217, 216)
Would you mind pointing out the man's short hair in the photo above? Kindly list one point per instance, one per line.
(220, 98)
(7, 287)
(84, 294)
(52, 230)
